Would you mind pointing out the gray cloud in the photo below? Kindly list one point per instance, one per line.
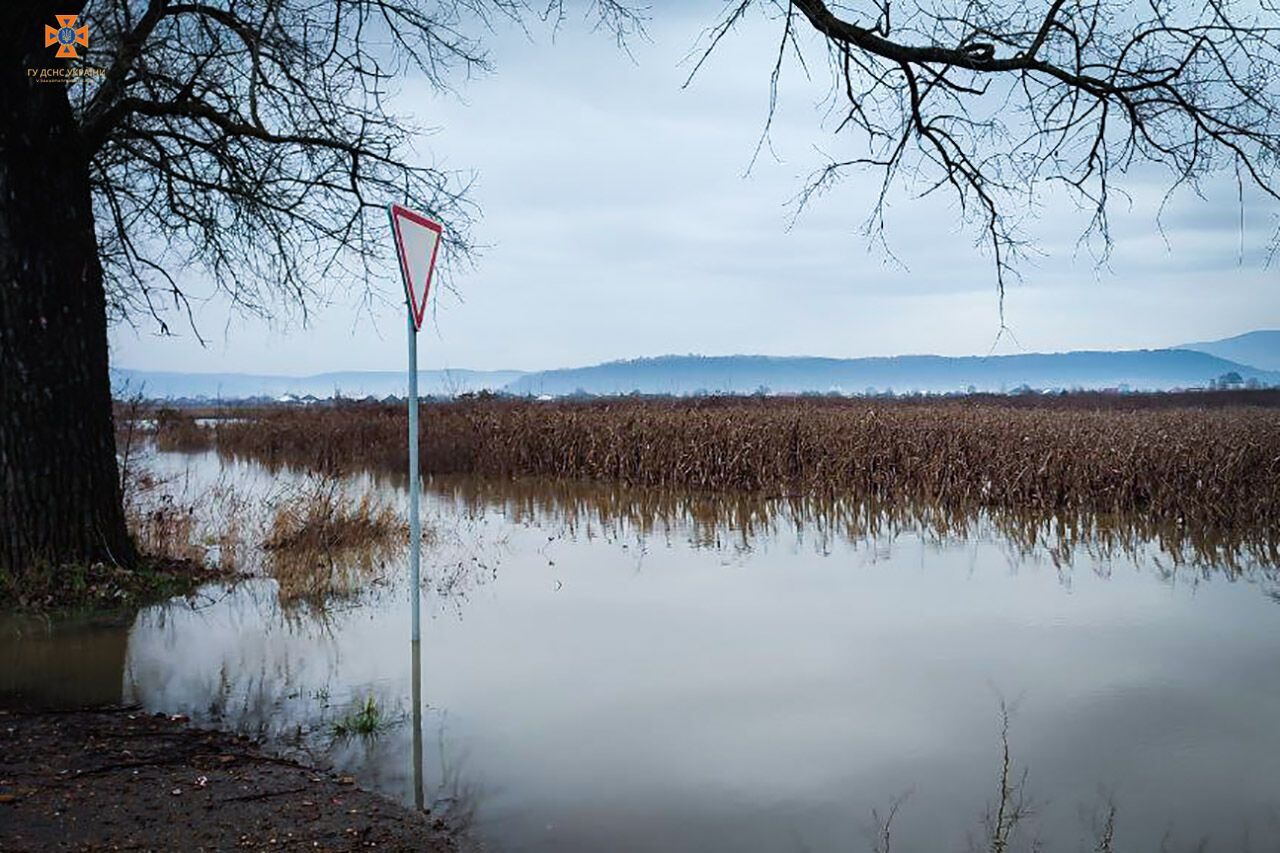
(619, 224)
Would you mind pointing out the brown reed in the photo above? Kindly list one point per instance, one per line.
(321, 518)
(175, 429)
(323, 543)
(1216, 468)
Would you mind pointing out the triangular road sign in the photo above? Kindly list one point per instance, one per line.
(417, 241)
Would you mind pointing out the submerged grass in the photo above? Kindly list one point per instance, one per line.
(323, 517)
(175, 429)
(324, 542)
(365, 718)
(319, 541)
(1203, 463)
(170, 521)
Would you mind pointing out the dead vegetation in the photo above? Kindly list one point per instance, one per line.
(1010, 822)
(1203, 473)
(319, 539)
(171, 520)
(324, 541)
(166, 427)
(175, 429)
(323, 517)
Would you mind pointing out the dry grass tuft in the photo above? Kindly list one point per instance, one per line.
(323, 518)
(178, 430)
(165, 530)
(211, 529)
(323, 542)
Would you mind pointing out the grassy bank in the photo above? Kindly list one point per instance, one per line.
(100, 586)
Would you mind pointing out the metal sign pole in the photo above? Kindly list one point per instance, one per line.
(415, 523)
(417, 241)
(418, 770)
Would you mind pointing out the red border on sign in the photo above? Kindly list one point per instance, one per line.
(416, 311)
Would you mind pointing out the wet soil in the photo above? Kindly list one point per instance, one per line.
(102, 587)
(122, 779)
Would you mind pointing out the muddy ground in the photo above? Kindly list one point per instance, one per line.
(122, 779)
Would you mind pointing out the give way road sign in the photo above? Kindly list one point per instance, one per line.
(417, 241)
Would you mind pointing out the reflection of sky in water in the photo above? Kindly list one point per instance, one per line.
(622, 691)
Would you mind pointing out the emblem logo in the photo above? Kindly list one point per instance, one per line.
(66, 36)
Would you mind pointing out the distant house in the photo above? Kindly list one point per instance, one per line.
(1229, 381)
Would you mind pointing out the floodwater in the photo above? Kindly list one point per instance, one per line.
(602, 670)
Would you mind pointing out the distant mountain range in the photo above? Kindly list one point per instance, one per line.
(1253, 358)
(1256, 349)
(1141, 369)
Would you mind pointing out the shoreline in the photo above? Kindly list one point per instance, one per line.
(117, 777)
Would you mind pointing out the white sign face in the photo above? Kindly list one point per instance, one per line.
(417, 241)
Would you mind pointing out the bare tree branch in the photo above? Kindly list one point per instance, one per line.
(256, 141)
(996, 101)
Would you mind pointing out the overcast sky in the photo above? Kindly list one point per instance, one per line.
(619, 223)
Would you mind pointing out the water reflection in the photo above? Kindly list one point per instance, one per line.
(416, 664)
(605, 669)
(56, 664)
(737, 519)
(744, 521)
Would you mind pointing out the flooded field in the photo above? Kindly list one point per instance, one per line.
(604, 669)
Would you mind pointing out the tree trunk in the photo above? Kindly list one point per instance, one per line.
(59, 486)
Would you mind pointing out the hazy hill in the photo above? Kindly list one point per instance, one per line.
(1138, 370)
(161, 385)
(1254, 356)
(1260, 349)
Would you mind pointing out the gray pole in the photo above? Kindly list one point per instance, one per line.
(415, 524)
(418, 770)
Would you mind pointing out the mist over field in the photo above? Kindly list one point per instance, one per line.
(1138, 370)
